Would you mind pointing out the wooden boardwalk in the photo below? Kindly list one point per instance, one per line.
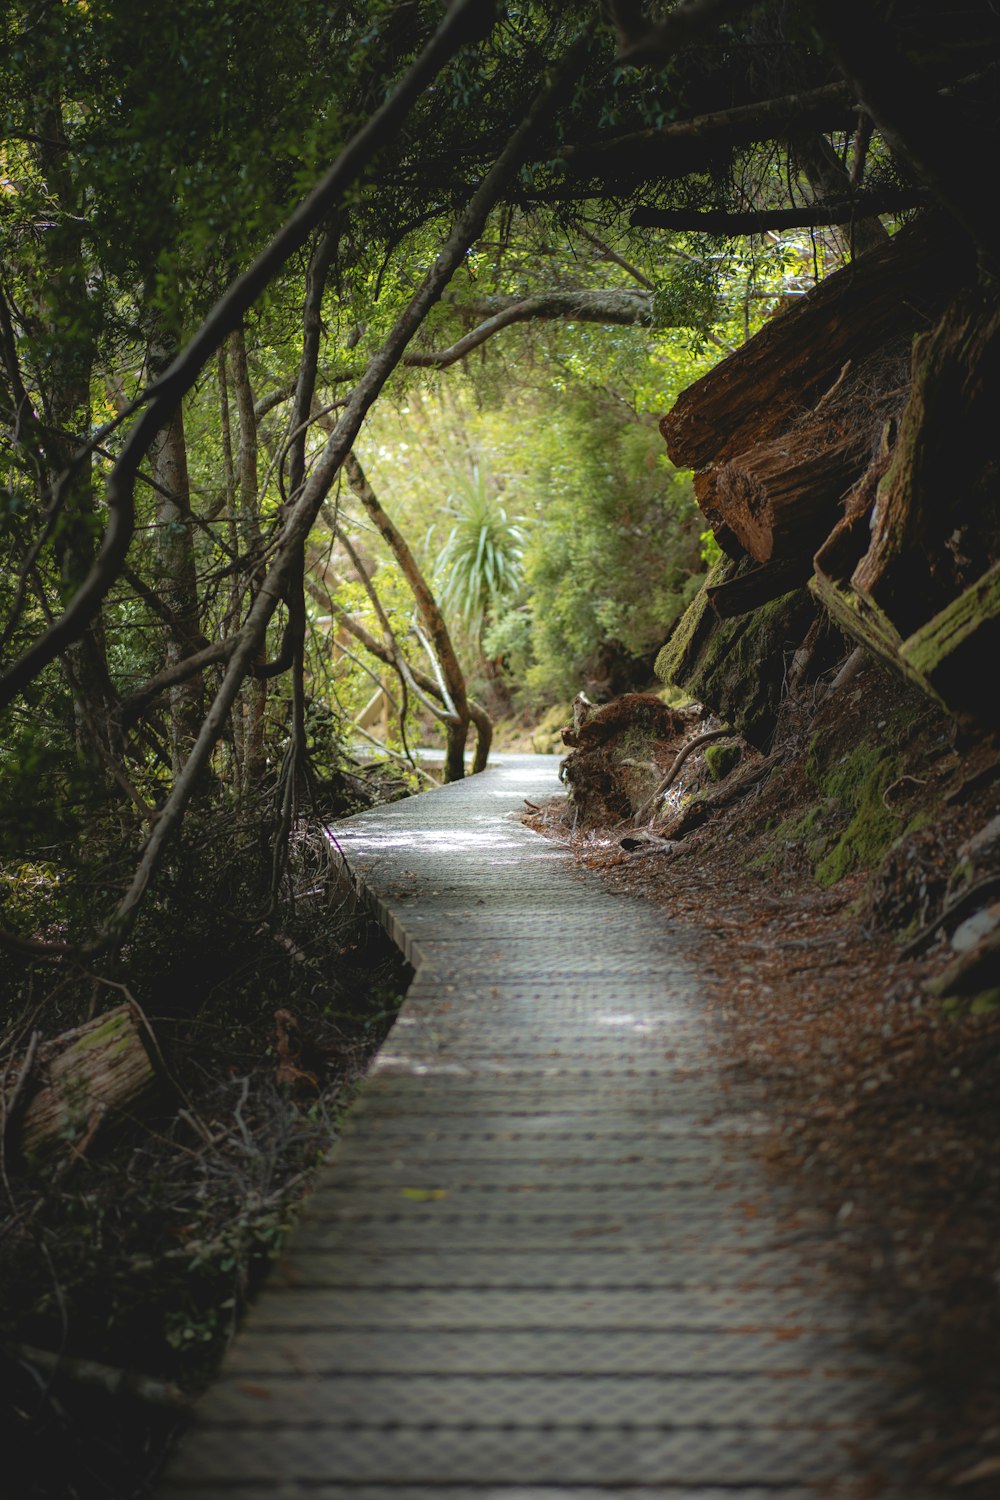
(544, 1259)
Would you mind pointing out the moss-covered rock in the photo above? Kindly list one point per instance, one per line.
(856, 781)
(737, 667)
(722, 758)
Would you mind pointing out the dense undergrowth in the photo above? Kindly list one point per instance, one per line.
(127, 1252)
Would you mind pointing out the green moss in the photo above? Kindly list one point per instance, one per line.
(856, 782)
(115, 1029)
(675, 659)
(721, 758)
(807, 831)
(985, 1003)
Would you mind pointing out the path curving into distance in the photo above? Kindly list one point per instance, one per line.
(544, 1260)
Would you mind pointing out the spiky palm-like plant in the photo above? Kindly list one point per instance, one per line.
(480, 566)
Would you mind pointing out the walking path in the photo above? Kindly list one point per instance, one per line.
(544, 1259)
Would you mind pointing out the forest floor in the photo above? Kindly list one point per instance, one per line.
(886, 1101)
(128, 1255)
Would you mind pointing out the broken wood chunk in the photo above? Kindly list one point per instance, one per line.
(783, 497)
(82, 1077)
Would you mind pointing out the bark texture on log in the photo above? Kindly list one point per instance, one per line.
(956, 651)
(936, 514)
(780, 499)
(83, 1076)
(911, 572)
(754, 394)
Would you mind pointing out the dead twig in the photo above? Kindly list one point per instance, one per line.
(104, 1377)
(646, 810)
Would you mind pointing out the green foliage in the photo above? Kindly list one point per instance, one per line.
(612, 554)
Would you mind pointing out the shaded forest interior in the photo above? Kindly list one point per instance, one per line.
(381, 383)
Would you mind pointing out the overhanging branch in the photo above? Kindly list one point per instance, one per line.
(686, 23)
(760, 221)
(624, 308)
(678, 146)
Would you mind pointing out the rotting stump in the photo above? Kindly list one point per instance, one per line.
(544, 1259)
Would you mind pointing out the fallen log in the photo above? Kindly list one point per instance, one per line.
(956, 651)
(755, 393)
(82, 1077)
(781, 499)
(748, 591)
(736, 667)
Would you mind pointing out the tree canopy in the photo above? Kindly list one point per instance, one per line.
(483, 246)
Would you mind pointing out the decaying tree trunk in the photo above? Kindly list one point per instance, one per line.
(911, 570)
(737, 666)
(749, 590)
(756, 393)
(894, 509)
(936, 510)
(780, 499)
(80, 1078)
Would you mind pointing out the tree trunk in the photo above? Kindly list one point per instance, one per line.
(177, 580)
(781, 498)
(736, 667)
(937, 512)
(253, 695)
(748, 591)
(64, 320)
(457, 730)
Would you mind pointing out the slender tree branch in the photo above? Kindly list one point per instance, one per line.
(430, 611)
(625, 308)
(610, 253)
(134, 706)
